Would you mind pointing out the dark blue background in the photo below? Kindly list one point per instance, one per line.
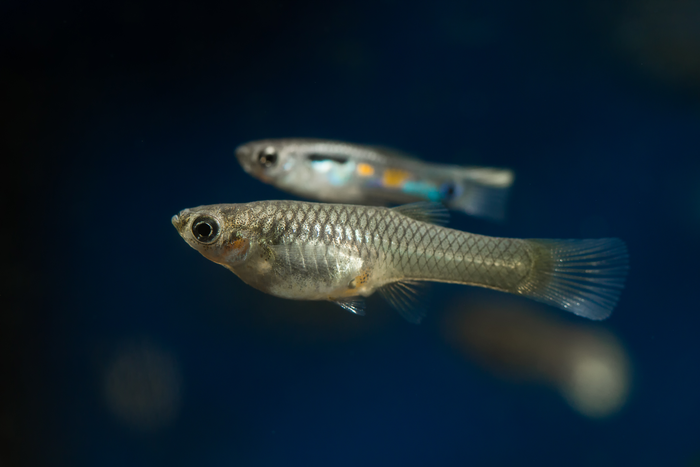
(116, 117)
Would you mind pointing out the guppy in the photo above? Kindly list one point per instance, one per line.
(339, 172)
(342, 253)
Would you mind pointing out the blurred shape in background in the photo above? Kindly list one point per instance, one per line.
(664, 35)
(143, 386)
(520, 343)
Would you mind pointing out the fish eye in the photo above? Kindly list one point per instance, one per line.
(267, 157)
(205, 229)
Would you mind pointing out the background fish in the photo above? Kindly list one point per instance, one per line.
(352, 173)
(341, 253)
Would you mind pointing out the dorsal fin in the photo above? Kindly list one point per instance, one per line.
(425, 211)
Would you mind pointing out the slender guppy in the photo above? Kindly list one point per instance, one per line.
(343, 253)
(341, 172)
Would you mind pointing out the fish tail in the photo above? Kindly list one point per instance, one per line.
(481, 192)
(584, 277)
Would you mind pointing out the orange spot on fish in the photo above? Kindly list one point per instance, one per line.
(393, 178)
(357, 283)
(228, 254)
(365, 170)
(240, 246)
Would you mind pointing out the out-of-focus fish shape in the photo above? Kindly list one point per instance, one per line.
(341, 253)
(520, 342)
(338, 172)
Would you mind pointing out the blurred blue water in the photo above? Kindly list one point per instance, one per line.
(153, 101)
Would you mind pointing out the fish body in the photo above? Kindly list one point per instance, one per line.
(342, 253)
(339, 172)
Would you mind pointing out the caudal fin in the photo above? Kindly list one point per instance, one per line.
(480, 191)
(584, 277)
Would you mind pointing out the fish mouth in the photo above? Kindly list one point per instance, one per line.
(242, 151)
(180, 219)
(243, 154)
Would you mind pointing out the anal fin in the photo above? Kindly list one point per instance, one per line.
(403, 296)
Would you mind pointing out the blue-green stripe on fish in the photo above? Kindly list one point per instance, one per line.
(424, 190)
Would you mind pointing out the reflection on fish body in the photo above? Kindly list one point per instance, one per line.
(341, 253)
(341, 172)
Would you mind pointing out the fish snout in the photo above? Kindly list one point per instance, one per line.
(179, 220)
(244, 154)
(242, 151)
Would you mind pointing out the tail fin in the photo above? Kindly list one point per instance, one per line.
(584, 277)
(480, 191)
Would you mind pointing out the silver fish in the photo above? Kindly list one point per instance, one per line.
(342, 253)
(340, 172)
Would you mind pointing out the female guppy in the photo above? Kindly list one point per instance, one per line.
(339, 172)
(341, 253)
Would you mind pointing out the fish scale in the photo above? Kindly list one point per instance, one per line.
(396, 234)
(341, 253)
